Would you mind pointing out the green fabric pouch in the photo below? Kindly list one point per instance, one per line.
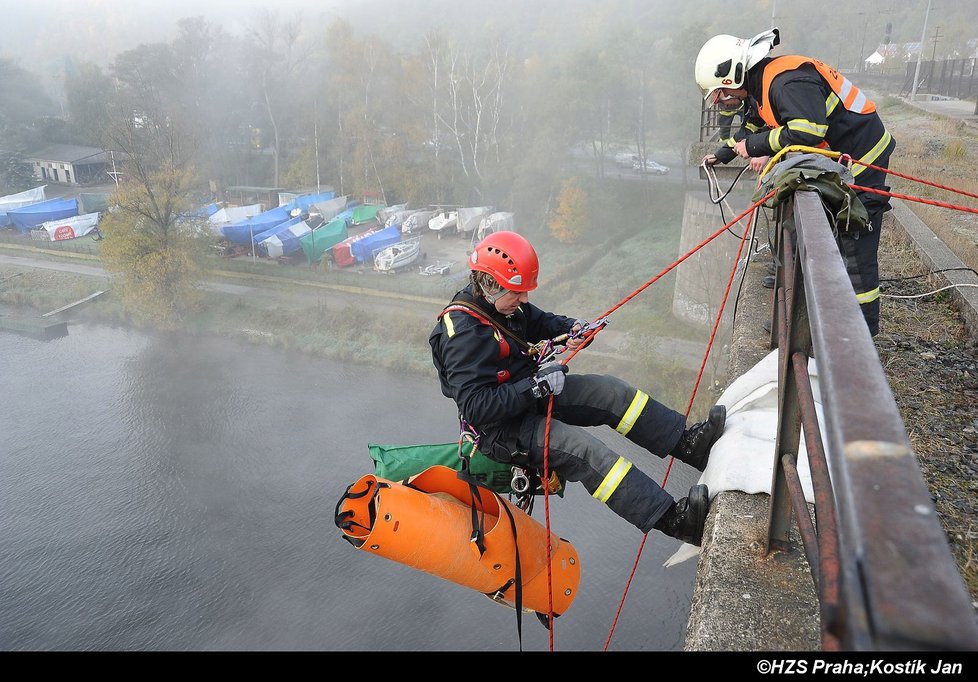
(812, 172)
(398, 462)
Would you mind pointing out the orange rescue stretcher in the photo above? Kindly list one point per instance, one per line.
(462, 532)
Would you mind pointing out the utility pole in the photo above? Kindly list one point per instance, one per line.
(916, 71)
(937, 36)
(316, 135)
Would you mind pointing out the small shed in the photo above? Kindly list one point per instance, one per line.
(241, 195)
(72, 164)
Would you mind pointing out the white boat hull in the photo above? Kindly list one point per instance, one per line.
(398, 256)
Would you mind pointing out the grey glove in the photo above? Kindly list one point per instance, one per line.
(548, 380)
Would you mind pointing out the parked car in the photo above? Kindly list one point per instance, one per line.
(626, 159)
(650, 167)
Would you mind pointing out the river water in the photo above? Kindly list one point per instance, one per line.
(175, 493)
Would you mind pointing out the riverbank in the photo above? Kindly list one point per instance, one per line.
(355, 315)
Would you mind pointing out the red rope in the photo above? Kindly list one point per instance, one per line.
(910, 177)
(932, 202)
(588, 337)
(546, 514)
(668, 269)
(706, 355)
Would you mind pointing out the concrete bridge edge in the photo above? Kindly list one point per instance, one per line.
(744, 599)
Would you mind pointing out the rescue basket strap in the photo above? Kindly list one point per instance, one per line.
(341, 518)
(519, 571)
(518, 579)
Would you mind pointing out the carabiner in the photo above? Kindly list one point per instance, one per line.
(520, 483)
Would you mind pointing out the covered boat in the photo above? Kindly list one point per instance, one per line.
(19, 200)
(399, 255)
(27, 217)
(343, 251)
(364, 250)
(469, 218)
(93, 202)
(69, 228)
(443, 222)
(284, 239)
(330, 209)
(232, 214)
(416, 222)
(384, 214)
(397, 217)
(317, 242)
(494, 222)
(243, 231)
(305, 202)
(366, 213)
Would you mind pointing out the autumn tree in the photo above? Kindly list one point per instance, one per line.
(571, 216)
(364, 76)
(149, 244)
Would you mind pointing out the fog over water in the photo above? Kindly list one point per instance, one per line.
(175, 493)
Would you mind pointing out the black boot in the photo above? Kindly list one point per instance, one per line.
(684, 520)
(695, 443)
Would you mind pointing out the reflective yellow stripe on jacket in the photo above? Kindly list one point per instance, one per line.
(872, 154)
(450, 327)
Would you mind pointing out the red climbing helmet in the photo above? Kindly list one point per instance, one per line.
(509, 258)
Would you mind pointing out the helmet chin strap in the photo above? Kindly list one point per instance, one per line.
(492, 298)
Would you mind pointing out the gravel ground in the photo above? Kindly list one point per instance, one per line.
(932, 366)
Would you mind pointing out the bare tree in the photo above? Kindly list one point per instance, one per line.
(475, 98)
(274, 61)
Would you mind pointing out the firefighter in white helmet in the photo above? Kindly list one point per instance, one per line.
(796, 100)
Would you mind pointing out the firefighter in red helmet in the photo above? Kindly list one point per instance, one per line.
(481, 347)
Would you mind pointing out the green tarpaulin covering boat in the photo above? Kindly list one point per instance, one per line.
(322, 238)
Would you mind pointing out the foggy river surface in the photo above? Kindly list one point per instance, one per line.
(175, 493)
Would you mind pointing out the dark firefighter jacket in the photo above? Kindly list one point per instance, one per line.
(808, 112)
(473, 358)
(748, 124)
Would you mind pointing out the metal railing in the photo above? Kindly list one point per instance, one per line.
(882, 568)
(950, 77)
(711, 123)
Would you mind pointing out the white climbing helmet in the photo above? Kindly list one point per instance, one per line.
(723, 60)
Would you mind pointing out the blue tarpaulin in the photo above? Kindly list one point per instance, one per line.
(31, 216)
(304, 202)
(365, 249)
(284, 239)
(281, 239)
(242, 231)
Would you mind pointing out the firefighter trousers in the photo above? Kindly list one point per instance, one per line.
(575, 454)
